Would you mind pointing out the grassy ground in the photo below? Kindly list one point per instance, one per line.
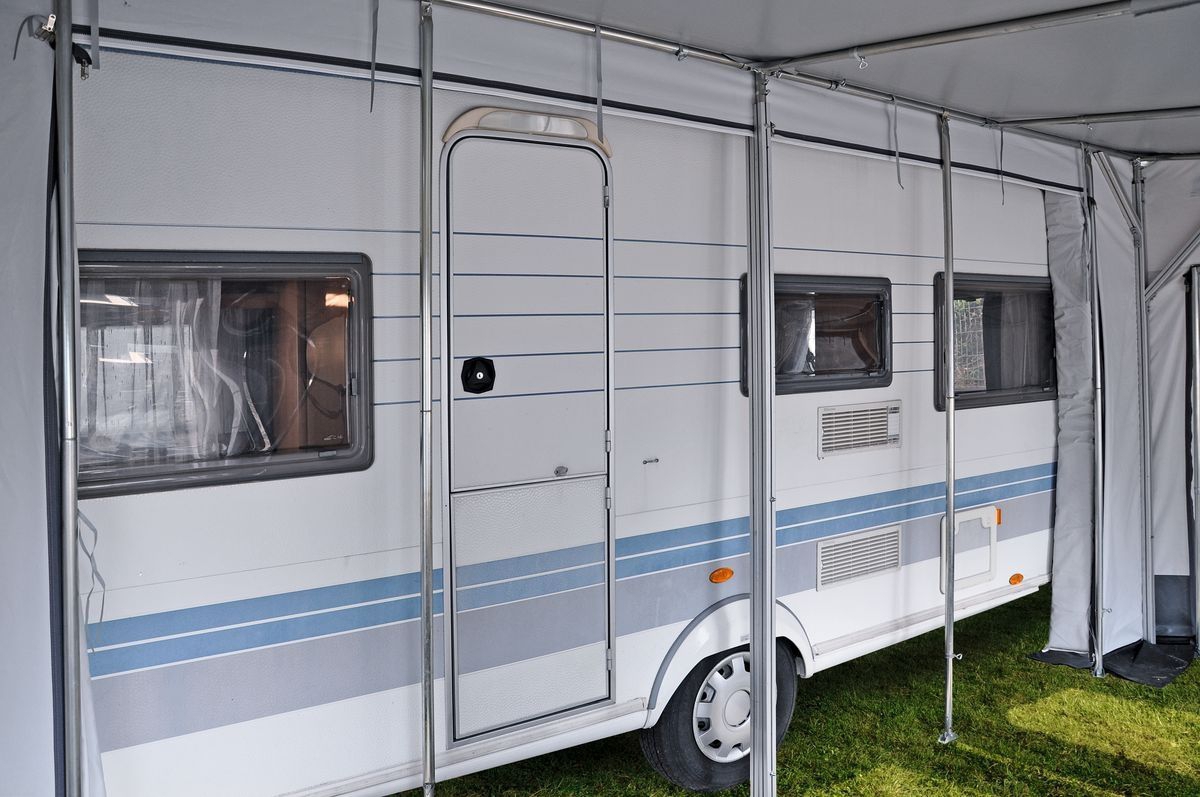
(869, 728)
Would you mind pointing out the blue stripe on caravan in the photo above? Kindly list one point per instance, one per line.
(519, 566)
(192, 637)
(532, 587)
(881, 517)
(678, 557)
(200, 618)
(863, 503)
(230, 640)
(644, 543)
(704, 532)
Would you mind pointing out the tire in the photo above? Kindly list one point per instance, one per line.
(673, 745)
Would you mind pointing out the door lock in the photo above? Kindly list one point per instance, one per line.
(478, 375)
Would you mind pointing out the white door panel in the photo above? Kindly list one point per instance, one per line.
(529, 290)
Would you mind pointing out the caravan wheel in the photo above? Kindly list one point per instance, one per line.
(702, 740)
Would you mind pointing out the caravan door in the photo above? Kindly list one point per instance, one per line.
(528, 429)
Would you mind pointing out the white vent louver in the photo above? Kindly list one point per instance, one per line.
(857, 556)
(858, 427)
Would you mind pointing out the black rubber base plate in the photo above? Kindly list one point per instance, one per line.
(1145, 663)
(1080, 661)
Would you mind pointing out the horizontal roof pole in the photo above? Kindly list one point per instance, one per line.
(616, 34)
(987, 30)
(865, 92)
(1115, 116)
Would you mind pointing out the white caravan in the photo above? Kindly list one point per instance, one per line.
(249, 420)
(263, 499)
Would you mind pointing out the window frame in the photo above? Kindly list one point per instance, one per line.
(116, 479)
(986, 398)
(879, 287)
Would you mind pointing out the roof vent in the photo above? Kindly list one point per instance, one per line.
(858, 427)
(857, 556)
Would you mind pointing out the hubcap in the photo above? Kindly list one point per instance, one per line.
(721, 714)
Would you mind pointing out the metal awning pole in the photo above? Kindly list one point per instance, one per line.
(68, 337)
(427, 680)
(1053, 19)
(616, 34)
(1089, 198)
(948, 735)
(1174, 269)
(958, 115)
(1110, 177)
(760, 328)
(1150, 630)
(1098, 118)
(1194, 333)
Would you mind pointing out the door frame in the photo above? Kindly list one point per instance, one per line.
(449, 627)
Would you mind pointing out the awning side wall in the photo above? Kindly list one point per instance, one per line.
(1070, 608)
(27, 734)
(1123, 539)
(1172, 221)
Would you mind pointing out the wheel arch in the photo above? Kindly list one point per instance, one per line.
(721, 626)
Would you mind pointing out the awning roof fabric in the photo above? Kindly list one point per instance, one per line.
(1121, 63)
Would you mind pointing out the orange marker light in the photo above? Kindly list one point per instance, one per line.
(720, 575)
(999, 516)
(1015, 579)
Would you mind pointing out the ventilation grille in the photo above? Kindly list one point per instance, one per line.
(859, 556)
(860, 427)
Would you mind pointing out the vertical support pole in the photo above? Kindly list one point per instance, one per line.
(760, 334)
(68, 337)
(1193, 285)
(427, 674)
(1097, 421)
(1150, 631)
(948, 735)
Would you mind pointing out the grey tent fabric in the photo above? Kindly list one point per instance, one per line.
(27, 733)
(1124, 544)
(1070, 609)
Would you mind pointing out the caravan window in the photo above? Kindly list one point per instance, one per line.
(831, 333)
(220, 367)
(1003, 340)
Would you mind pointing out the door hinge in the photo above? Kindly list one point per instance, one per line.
(610, 657)
(353, 384)
(607, 196)
(608, 498)
(608, 440)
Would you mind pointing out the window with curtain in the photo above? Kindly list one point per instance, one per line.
(830, 333)
(1003, 340)
(239, 369)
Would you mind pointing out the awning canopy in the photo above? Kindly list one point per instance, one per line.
(1131, 62)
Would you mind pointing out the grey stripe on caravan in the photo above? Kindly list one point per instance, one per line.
(562, 621)
(222, 690)
(208, 693)
(673, 596)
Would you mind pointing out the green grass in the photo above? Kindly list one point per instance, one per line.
(870, 727)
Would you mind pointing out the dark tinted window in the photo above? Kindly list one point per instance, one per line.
(189, 374)
(830, 334)
(1003, 340)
